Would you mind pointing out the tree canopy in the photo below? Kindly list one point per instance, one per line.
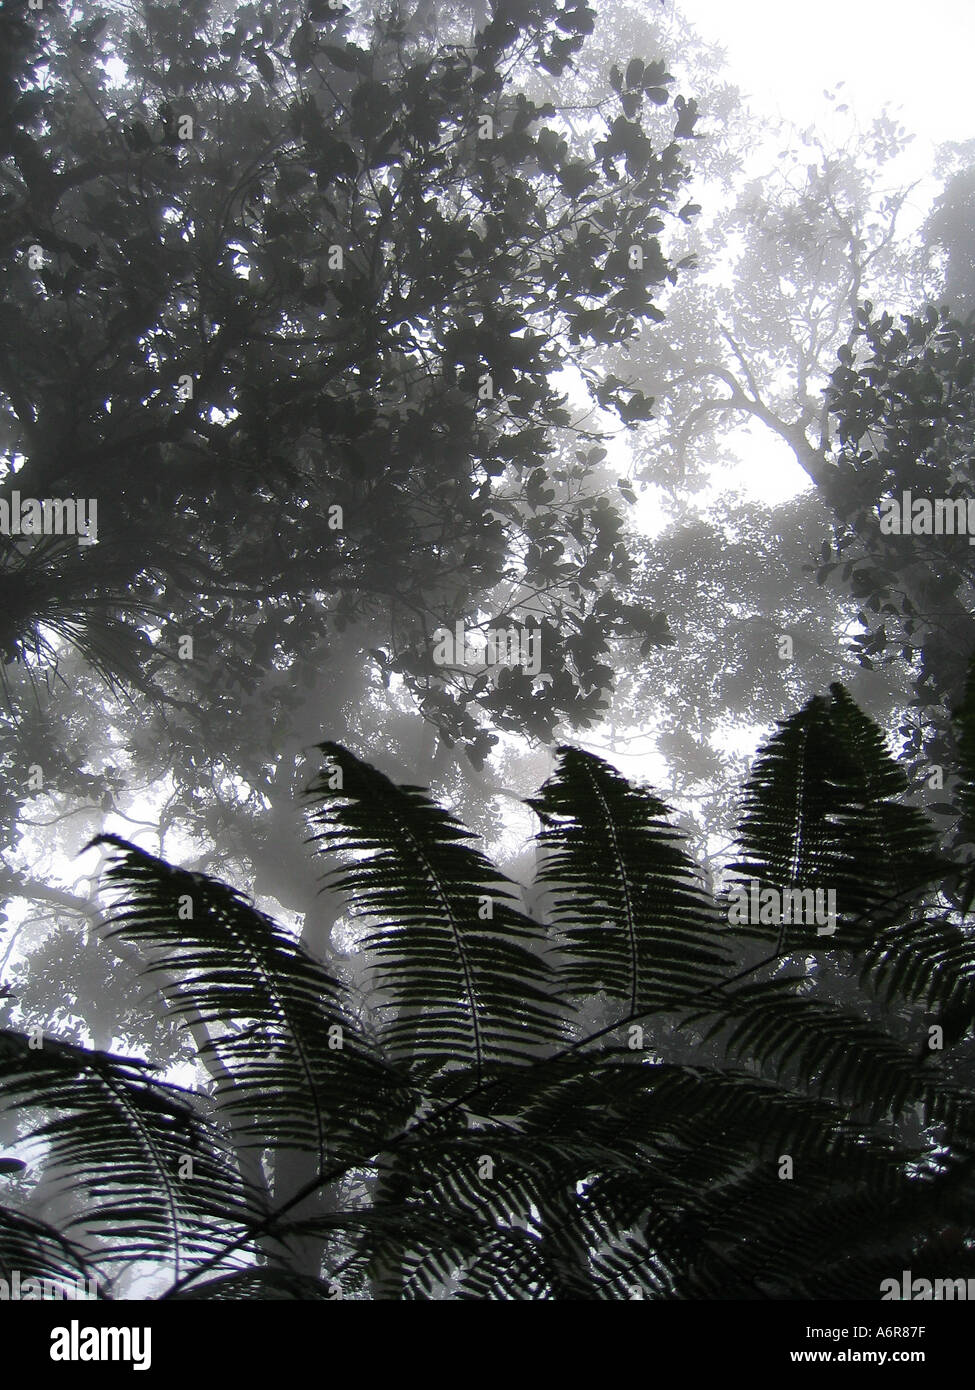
(288, 297)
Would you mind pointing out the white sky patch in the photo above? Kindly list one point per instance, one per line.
(893, 52)
(766, 468)
(916, 62)
(115, 69)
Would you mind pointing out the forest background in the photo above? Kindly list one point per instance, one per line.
(260, 282)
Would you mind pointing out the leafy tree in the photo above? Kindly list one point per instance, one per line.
(903, 401)
(731, 1129)
(902, 397)
(948, 230)
(289, 298)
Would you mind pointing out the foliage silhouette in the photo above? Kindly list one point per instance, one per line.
(903, 399)
(328, 295)
(478, 1134)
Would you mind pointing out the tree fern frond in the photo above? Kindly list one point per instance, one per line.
(267, 1285)
(153, 1178)
(821, 815)
(38, 1251)
(928, 961)
(510, 1264)
(636, 924)
(853, 1235)
(462, 972)
(630, 1268)
(807, 1043)
(292, 1070)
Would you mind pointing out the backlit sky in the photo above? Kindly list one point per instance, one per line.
(915, 56)
(916, 59)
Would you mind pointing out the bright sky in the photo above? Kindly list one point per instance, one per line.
(915, 59)
(914, 56)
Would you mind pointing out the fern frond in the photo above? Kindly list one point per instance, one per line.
(927, 961)
(38, 1251)
(151, 1177)
(636, 925)
(821, 814)
(809, 1044)
(463, 976)
(267, 1285)
(292, 1070)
